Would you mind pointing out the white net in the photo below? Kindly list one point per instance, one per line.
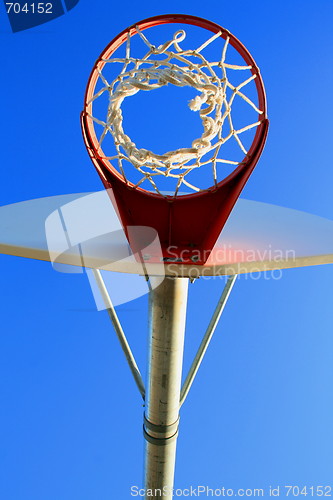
(169, 64)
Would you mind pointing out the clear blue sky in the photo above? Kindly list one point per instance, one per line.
(260, 412)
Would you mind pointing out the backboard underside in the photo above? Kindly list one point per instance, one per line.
(84, 230)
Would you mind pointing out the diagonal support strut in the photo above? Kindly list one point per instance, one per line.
(207, 338)
(120, 332)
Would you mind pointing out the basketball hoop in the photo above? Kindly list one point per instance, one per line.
(190, 217)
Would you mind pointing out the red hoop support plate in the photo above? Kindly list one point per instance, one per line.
(188, 225)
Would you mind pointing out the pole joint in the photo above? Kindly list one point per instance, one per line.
(160, 435)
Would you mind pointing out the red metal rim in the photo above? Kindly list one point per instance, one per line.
(89, 135)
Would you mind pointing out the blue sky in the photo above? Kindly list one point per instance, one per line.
(260, 411)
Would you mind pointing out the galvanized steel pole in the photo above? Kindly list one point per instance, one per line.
(167, 315)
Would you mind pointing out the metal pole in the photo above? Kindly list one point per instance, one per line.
(167, 315)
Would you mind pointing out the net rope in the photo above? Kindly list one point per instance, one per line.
(175, 68)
